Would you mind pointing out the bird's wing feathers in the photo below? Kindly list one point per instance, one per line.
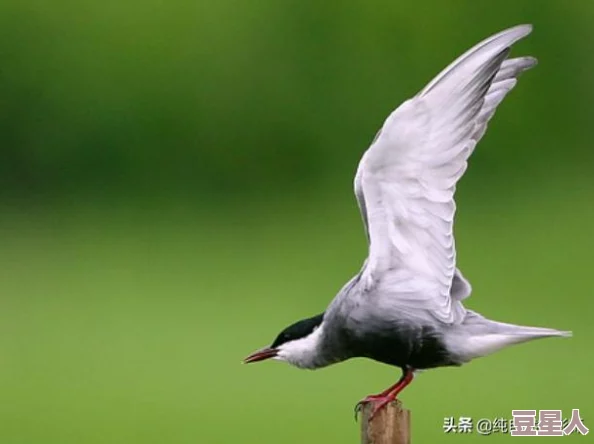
(461, 288)
(406, 180)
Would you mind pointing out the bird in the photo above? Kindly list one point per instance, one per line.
(405, 307)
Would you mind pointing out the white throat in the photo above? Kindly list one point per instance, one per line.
(304, 352)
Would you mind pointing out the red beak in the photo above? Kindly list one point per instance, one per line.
(260, 355)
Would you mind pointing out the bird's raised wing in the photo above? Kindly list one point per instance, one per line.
(406, 180)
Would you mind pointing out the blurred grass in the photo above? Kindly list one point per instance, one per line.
(127, 323)
(245, 97)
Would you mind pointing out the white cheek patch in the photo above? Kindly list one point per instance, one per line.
(303, 352)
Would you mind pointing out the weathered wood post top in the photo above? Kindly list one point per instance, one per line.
(391, 425)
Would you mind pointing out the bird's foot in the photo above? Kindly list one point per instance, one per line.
(386, 397)
(378, 401)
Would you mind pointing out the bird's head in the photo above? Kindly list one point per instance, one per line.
(296, 344)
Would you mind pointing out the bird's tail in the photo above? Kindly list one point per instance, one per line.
(522, 331)
(484, 336)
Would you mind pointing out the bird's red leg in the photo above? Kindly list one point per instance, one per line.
(387, 396)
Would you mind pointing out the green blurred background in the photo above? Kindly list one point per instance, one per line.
(176, 187)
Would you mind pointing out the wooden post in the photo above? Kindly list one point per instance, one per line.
(391, 425)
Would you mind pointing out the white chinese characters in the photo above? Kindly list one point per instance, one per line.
(523, 423)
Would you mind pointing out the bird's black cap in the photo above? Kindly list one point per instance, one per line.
(298, 330)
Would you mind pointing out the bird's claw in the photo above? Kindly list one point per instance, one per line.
(379, 403)
(359, 407)
(371, 398)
